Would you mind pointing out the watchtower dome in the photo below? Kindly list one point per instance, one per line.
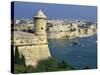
(40, 23)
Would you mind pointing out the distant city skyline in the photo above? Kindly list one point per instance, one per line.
(55, 11)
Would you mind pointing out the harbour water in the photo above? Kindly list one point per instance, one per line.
(79, 55)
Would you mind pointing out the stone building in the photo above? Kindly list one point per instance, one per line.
(33, 46)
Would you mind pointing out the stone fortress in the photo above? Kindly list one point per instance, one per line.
(33, 46)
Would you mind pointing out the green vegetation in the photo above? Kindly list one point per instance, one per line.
(89, 23)
(17, 56)
(49, 64)
(46, 65)
(65, 66)
(18, 59)
(19, 68)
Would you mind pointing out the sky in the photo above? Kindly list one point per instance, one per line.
(55, 11)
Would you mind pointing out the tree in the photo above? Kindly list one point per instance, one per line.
(64, 66)
(17, 59)
(89, 23)
(17, 56)
(22, 60)
(49, 64)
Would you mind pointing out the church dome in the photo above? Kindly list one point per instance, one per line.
(40, 14)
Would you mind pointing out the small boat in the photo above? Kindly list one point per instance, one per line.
(75, 43)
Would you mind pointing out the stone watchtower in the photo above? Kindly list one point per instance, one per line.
(40, 23)
(40, 27)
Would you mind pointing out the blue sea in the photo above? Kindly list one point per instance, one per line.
(77, 55)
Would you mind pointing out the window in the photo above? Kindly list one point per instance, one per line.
(41, 28)
(60, 30)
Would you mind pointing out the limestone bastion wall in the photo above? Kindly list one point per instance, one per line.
(33, 48)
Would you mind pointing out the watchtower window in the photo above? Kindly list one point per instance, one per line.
(41, 28)
(60, 30)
